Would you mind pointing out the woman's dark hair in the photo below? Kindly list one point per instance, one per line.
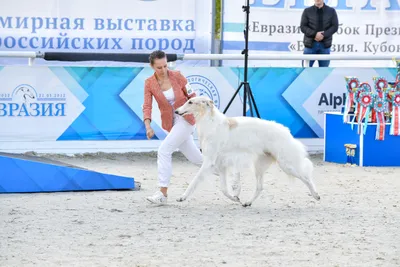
(158, 54)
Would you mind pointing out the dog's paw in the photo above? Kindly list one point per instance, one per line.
(315, 195)
(246, 204)
(180, 199)
(236, 199)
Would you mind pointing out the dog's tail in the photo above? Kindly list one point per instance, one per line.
(308, 167)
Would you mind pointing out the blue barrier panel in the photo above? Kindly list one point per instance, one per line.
(369, 152)
(105, 103)
(337, 134)
(19, 175)
(381, 153)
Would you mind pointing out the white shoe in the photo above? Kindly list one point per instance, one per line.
(158, 198)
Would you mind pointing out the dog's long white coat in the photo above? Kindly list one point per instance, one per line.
(241, 141)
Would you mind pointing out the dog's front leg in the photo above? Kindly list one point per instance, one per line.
(257, 192)
(224, 187)
(204, 171)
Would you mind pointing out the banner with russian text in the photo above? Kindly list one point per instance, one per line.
(42, 103)
(365, 28)
(118, 26)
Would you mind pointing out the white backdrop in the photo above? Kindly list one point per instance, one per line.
(369, 27)
(117, 26)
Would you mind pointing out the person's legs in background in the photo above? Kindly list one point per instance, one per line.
(318, 48)
(309, 51)
(323, 51)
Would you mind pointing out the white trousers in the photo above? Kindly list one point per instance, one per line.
(180, 137)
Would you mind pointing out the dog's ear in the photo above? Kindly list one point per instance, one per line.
(210, 103)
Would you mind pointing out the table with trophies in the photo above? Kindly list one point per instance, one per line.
(367, 130)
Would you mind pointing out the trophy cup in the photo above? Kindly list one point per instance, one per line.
(388, 117)
(350, 152)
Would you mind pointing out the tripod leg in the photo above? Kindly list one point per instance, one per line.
(254, 102)
(250, 104)
(247, 88)
(233, 97)
(244, 99)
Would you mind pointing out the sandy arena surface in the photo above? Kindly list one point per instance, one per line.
(356, 223)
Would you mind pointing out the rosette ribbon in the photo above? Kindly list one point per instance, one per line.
(366, 102)
(379, 107)
(351, 84)
(395, 122)
(388, 98)
(364, 88)
(380, 85)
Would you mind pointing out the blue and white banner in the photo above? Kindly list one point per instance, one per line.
(365, 27)
(118, 26)
(42, 103)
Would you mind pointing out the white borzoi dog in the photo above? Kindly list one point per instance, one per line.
(229, 143)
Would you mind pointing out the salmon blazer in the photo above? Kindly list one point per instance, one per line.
(153, 89)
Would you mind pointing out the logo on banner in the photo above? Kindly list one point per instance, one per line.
(204, 87)
(25, 101)
(330, 102)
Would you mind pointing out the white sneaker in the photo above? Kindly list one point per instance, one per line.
(158, 198)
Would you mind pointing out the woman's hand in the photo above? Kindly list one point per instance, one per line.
(149, 132)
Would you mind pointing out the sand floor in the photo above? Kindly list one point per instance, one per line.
(356, 223)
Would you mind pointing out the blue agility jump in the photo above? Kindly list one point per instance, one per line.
(24, 174)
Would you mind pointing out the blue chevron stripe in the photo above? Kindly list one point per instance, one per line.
(70, 82)
(301, 89)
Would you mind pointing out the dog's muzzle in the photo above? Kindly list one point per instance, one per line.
(179, 113)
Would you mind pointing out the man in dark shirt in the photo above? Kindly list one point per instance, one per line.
(318, 23)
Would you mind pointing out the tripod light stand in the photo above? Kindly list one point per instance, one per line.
(247, 94)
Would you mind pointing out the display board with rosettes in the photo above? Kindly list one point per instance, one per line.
(380, 105)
